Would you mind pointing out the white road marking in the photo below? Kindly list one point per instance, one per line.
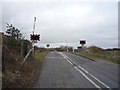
(54, 57)
(69, 60)
(87, 78)
(84, 70)
(94, 77)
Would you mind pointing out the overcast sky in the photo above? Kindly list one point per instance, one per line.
(61, 22)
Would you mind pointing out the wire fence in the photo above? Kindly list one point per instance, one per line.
(19, 51)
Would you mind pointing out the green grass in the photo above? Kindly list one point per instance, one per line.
(38, 56)
(114, 52)
(114, 60)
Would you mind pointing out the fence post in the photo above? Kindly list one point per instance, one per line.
(22, 49)
(1, 57)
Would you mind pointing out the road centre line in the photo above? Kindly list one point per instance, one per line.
(69, 62)
(66, 57)
(94, 77)
(84, 74)
(87, 78)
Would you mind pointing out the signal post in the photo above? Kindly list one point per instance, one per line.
(34, 37)
(82, 42)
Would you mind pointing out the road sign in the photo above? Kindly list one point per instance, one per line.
(35, 37)
(48, 45)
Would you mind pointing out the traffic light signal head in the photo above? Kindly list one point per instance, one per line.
(35, 37)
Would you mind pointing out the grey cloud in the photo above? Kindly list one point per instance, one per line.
(58, 22)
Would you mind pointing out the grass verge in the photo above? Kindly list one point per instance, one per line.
(16, 76)
(38, 56)
(114, 60)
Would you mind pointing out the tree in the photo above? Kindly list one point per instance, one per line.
(14, 32)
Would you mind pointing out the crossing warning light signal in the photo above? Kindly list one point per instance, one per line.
(35, 37)
(83, 42)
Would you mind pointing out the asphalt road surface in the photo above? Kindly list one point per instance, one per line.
(66, 70)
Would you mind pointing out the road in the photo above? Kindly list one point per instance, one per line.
(66, 70)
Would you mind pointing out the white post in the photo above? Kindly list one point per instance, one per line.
(66, 45)
(67, 49)
(73, 50)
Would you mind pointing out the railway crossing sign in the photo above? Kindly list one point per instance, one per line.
(82, 42)
(35, 37)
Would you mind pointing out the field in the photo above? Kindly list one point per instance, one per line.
(112, 57)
